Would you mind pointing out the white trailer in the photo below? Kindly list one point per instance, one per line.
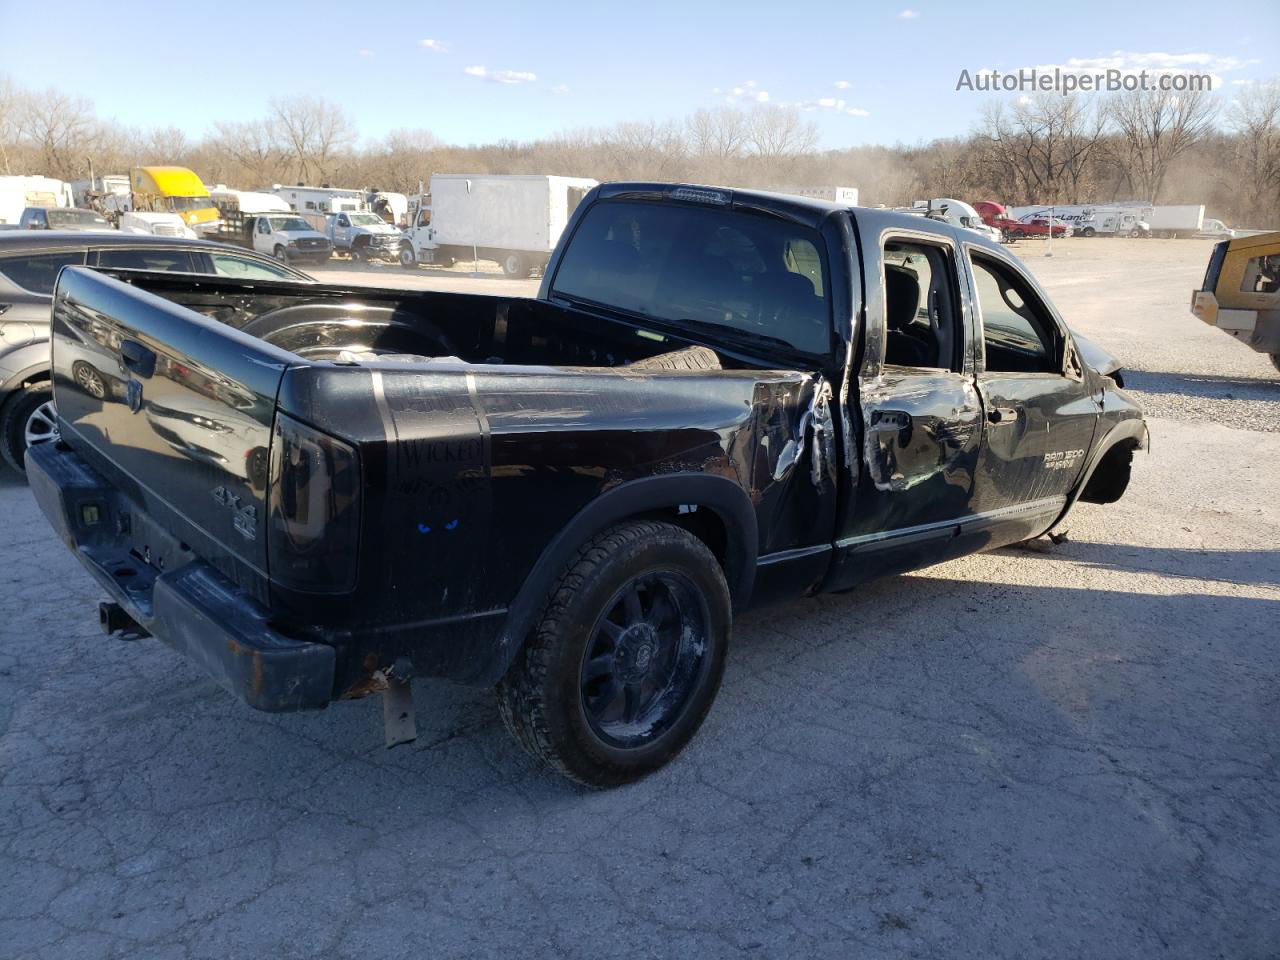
(19, 192)
(247, 201)
(321, 200)
(1173, 221)
(845, 196)
(514, 220)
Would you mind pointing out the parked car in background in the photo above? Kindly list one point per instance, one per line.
(363, 236)
(1036, 226)
(63, 218)
(19, 192)
(1215, 230)
(29, 265)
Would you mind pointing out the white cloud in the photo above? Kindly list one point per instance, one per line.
(560, 88)
(909, 15)
(749, 84)
(833, 104)
(1155, 60)
(364, 52)
(761, 96)
(1242, 83)
(857, 112)
(842, 84)
(508, 77)
(435, 46)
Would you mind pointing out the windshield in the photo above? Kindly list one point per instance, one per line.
(190, 203)
(75, 218)
(289, 223)
(693, 264)
(365, 219)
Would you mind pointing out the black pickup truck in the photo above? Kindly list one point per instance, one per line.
(719, 398)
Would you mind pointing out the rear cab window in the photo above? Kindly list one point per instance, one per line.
(38, 272)
(695, 265)
(168, 261)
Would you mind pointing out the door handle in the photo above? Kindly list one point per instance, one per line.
(890, 421)
(1002, 414)
(141, 360)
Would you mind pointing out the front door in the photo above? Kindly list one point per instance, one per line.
(919, 422)
(1039, 414)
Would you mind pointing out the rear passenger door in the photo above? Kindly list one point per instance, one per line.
(1039, 413)
(919, 422)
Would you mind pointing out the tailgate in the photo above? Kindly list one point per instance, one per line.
(175, 410)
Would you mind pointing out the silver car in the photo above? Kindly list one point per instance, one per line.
(29, 265)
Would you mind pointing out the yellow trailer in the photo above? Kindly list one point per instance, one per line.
(1241, 292)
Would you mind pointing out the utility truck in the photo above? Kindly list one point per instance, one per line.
(513, 220)
(1174, 222)
(285, 236)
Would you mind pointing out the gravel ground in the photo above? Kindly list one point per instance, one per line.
(1064, 751)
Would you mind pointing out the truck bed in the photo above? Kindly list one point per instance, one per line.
(381, 470)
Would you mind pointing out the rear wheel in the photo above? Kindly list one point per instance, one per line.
(1088, 232)
(514, 265)
(29, 418)
(627, 658)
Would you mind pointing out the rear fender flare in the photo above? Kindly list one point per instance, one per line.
(631, 499)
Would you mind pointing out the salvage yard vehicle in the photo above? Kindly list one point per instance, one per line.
(174, 190)
(718, 399)
(1241, 292)
(284, 236)
(63, 218)
(363, 236)
(158, 224)
(29, 265)
(515, 221)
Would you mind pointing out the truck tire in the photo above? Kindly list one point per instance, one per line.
(626, 659)
(1088, 232)
(407, 259)
(356, 254)
(1275, 360)
(515, 265)
(1018, 234)
(281, 254)
(28, 418)
(690, 358)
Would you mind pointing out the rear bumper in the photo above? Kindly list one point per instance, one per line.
(190, 607)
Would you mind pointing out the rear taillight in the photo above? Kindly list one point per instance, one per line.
(313, 508)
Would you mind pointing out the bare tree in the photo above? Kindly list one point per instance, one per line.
(255, 148)
(315, 131)
(12, 108)
(1255, 119)
(720, 133)
(63, 129)
(776, 132)
(1043, 148)
(1158, 126)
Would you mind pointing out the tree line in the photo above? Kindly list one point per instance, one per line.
(1157, 146)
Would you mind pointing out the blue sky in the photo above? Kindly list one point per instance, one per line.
(867, 73)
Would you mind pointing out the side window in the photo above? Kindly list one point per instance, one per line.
(424, 218)
(1018, 333)
(311, 205)
(37, 274)
(922, 322)
(229, 265)
(167, 261)
(343, 221)
(1261, 275)
(264, 226)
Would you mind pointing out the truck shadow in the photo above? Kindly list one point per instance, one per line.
(1200, 385)
(1258, 567)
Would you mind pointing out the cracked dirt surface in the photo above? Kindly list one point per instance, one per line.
(1056, 751)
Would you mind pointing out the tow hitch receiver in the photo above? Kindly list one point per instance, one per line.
(116, 622)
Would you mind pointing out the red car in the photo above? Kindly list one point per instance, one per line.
(993, 214)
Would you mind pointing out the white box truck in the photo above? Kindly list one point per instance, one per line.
(19, 192)
(513, 220)
(1185, 220)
